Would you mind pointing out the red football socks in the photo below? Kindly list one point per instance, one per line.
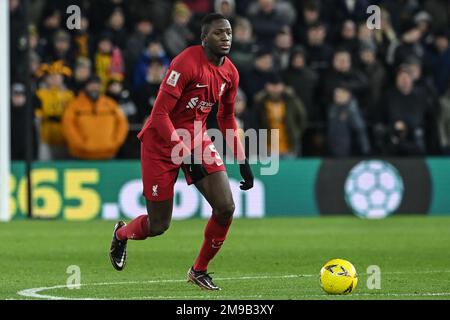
(137, 229)
(215, 234)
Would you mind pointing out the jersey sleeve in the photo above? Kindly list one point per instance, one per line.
(160, 120)
(178, 76)
(229, 96)
(226, 120)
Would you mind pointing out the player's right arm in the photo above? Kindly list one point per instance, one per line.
(178, 76)
(161, 122)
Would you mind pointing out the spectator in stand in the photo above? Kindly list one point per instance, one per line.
(50, 23)
(35, 70)
(226, 8)
(17, 33)
(424, 83)
(355, 10)
(423, 21)
(386, 38)
(400, 11)
(284, 8)
(304, 81)
(18, 119)
(366, 35)
(277, 107)
(154, 50)
(94, 125)
(51, 103)
(348, 38)
(410, 44)
(344, 74)
(116, 27)
(136, 45)
(267, 21)
(178, 36)
(375, 72)
(404, 111)
(422, 80)
(83, 40)
(116, 91)
(158, 11)
(61, 49)
(282, 48)
(108, 59)
(82, 72)
(310, 15)
(35, 42)
(440, 61)
(244, 47)
(444, 123)
(347, 132)
(241, 112)
(100, 12)
(255, 80)
(145, 96)
(319, 52)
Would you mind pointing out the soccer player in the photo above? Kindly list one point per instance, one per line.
(199, 78)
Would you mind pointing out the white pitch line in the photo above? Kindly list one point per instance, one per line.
(210, 297)
(35, 292)
(425, 294)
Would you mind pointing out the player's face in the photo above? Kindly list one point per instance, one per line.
(219, 37)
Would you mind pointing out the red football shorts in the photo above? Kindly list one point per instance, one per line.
(159, 174)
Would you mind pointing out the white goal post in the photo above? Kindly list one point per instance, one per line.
(5, 151)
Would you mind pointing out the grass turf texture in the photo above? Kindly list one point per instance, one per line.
(412, 253)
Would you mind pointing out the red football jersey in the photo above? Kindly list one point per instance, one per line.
(197, 85)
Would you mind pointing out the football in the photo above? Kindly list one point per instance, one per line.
(338, 276)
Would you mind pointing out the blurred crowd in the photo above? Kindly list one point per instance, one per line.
(312, 69)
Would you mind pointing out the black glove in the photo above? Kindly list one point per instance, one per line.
(195, 170)
(247, 175)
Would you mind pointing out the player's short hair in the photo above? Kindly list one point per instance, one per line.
(207, 21)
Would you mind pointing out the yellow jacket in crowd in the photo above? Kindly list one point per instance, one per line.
(94, 130)
(52, 103)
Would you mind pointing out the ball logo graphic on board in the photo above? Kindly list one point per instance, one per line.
(374, 189)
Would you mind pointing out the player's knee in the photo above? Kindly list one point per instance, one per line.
(157, 229)
(226, 212)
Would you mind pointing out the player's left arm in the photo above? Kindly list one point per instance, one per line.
(227, 122)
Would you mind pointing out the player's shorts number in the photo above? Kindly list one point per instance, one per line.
(213, 149)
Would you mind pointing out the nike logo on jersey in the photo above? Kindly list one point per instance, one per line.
(201, 85)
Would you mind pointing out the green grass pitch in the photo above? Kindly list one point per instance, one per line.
(274, 258)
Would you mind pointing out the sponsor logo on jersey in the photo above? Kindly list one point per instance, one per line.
(202, 105)
(192, 103)
(173, 78)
